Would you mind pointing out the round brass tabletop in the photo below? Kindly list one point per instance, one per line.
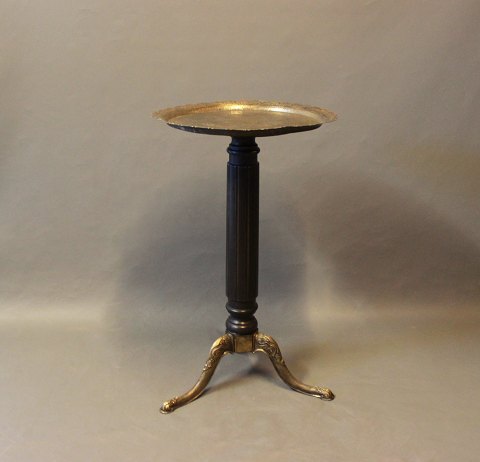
(245, 118)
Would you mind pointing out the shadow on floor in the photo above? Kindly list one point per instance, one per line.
(380, 244)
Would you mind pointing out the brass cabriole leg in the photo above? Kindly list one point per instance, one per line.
(223, 345)
(269, 346)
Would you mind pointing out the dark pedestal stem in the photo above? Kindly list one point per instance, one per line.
(242, 279)
(242, 235)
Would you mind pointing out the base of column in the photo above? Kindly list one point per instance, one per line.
(233, 343)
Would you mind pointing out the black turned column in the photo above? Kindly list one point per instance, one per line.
(242, 235)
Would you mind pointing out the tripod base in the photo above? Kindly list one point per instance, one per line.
(233, 343)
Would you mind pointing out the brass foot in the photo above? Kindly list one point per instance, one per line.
(269, 346)
(223, 345)
(232, 343)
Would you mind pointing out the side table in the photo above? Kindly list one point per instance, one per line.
(244, 121)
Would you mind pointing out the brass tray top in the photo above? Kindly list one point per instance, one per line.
(245, 118)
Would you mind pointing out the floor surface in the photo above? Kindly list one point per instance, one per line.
(407, 387)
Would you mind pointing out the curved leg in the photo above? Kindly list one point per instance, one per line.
(221, 346)
(269, 346)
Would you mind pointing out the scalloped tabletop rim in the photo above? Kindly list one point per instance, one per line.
(245, 117)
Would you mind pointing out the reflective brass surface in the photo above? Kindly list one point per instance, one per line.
(231, 343)
(243, 343)
(269, 346)
(223, 345)
(245, 118)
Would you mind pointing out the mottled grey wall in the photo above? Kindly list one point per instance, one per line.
(107, 215)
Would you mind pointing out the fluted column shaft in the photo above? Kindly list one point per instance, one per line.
(242, 235)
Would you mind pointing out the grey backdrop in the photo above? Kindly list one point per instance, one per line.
(112, 230)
